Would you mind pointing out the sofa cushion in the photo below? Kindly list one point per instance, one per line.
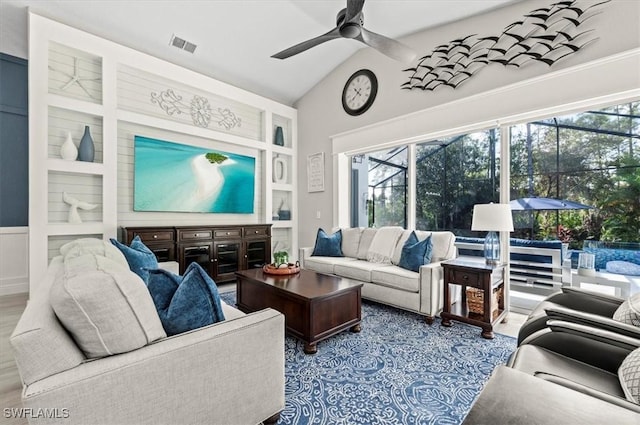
(96, 246)
(230, 312)
(383, 244)
(325, 264)
(365, 242)
(185, 302)
(396, 277)
(629, 311)
(623, 267)
(139, 257)
(328, 245)
(629, 374)
(359, 269)
(444, 247)
(41, 346)
(397, 252)
(351, 241)
(105, 307)
(415, 253)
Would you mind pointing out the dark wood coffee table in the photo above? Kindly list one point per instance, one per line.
(316, 306)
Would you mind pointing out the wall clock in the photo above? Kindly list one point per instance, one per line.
(359, 92)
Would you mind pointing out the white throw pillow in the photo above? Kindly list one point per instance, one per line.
(629, 311)
(383, 244)
(105, 307)
(351, 241)
(95, 246)
(629, 375)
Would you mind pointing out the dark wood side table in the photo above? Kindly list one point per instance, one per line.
(475, 274)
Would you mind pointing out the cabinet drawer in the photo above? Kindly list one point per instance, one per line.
(463, 277)
(256, 231)
(228, 233)
(155, 236)
(194, 234)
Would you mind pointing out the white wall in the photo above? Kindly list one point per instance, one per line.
(321, 117)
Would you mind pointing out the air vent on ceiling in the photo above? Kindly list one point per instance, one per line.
(183, 44)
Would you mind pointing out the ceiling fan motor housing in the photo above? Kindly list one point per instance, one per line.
(349, 29)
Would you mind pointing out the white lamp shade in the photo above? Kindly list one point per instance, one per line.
(492, 218)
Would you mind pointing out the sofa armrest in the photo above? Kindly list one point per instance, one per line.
(304, 253)
(584, 292)
(229, 372)
(593, 320)
(431, 289)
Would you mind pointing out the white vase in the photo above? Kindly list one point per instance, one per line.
(68, 150)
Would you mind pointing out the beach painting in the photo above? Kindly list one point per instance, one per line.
(174, 177)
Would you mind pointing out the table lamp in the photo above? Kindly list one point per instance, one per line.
(492, 218)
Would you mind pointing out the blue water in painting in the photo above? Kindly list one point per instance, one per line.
(175, 177)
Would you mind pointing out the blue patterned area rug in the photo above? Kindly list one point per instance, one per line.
(397, 370)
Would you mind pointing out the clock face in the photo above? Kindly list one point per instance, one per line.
(359, 92)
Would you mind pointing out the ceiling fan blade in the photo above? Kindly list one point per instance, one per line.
(301, 47)
(387, 46)
(354, 8)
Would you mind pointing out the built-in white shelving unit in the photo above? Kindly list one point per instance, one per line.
(77, 80)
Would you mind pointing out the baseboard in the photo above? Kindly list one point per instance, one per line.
(14, 285)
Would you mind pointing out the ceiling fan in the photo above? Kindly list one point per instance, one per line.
(349, 24)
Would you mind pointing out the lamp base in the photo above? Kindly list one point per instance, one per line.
(492, 248)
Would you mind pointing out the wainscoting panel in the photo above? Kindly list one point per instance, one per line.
(14, 260)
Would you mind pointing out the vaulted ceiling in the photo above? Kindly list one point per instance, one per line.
(236, 38)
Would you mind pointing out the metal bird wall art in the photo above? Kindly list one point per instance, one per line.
(546, 35)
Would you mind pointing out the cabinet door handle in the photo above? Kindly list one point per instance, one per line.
(195, 235)
(465, 277)
(213, 261)
(155, 236)
(228, 233)
(257, 232)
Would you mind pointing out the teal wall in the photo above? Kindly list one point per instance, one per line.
(14, 142)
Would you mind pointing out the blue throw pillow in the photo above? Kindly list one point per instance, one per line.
(415, 253)
(328, 246)
(185, 303)
(139, 257)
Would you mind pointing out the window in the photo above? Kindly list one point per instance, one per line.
(454, 174)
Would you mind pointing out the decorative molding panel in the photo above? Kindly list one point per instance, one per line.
(14, 260)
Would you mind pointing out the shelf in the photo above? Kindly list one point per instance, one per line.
(76, 105)
(282, 149)
(282, 224)
(75, 167)
(283, 187)
(63, 229)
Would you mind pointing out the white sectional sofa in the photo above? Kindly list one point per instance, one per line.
(231, 372)
(384, 281)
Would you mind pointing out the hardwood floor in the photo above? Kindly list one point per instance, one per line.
(11, 307)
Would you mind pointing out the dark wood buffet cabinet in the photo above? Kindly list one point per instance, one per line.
(220, 250)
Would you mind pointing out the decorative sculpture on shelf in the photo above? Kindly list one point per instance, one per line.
(74, 204)
(75, 78)
(545, 35)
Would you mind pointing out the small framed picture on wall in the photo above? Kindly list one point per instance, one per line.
(315, 172)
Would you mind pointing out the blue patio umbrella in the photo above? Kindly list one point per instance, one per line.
(539, 204)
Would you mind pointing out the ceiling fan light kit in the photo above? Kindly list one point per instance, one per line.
(350, 24)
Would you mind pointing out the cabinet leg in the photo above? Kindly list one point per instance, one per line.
(310, 348)
(487, 333)
(446, 322)
(428, 319)
(272, 419)
(356, 328)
